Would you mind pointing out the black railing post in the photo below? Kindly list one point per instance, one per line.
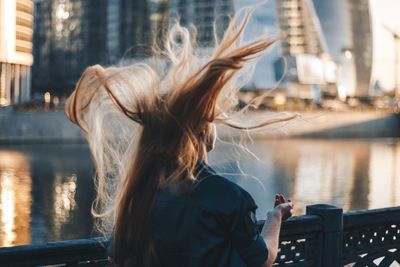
(332, 233)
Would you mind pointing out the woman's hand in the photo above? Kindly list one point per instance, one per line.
(283, 206)
(270, 232)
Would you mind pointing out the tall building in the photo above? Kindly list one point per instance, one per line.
(203, 14)
(134, 28)
(300, 27)
(335, 22)
(334, 17)
(96, 29)
(69, 36)
(73, 34)
(16, 18)
(361, 26)
(113, 15)
(328, 43)
(59, 44)
(346, 25)
(307, 60)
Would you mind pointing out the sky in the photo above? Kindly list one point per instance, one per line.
(384, 12)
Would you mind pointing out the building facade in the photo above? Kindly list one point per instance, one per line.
(347, 27)
(69, 35)
(134, 28)
(16, 23)
(361, 27)
(73, 34)
(301, 30)
(334, 36)
(336, 26)
(204, 15)
(306, 58)
(113, 34)
(334, 17)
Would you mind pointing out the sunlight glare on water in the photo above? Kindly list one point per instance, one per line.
(15, 198)
(64, 201)
(46, 191)
(352, 174)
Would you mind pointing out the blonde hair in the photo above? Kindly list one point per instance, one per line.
(135, 115)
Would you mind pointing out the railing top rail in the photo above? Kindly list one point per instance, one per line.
(71, 251)
(95, 248)
(299, 225)
(361, 218)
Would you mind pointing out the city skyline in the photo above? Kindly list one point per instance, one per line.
(74, 34)
(263, 20)
(383, 12)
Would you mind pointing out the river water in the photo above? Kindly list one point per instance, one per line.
(46, 190)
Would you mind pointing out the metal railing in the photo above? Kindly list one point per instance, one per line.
(324, 237)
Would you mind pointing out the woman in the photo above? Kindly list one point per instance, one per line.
(149, 131)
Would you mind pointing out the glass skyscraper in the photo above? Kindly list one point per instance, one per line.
(300, 28)
(204, 15)
(334, 36)
(73, 34)
(347, 27)
(69, 36)
(361, 27)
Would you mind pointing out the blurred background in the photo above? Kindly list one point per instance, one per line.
(337, 64)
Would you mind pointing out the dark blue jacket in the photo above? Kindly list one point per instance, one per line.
(213, 225)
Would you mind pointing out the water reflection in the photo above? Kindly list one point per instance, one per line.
(64, 200)
(351, 174)
(45, 193)
(46, 190)
(384, 175)
(15, 198)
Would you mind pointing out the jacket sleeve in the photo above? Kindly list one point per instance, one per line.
(246, 236)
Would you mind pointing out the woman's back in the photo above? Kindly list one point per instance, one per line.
(135, 115)
(212, 224)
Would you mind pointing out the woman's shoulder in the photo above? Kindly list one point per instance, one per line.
(217, 192)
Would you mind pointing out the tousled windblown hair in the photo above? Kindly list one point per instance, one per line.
(136, 116)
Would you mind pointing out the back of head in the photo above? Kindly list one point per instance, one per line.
(137, 115)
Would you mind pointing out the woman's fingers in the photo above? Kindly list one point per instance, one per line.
(285, 206)
(277, 201)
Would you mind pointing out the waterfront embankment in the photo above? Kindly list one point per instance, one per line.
(54, 127)
(336, 124)
(37, 127)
